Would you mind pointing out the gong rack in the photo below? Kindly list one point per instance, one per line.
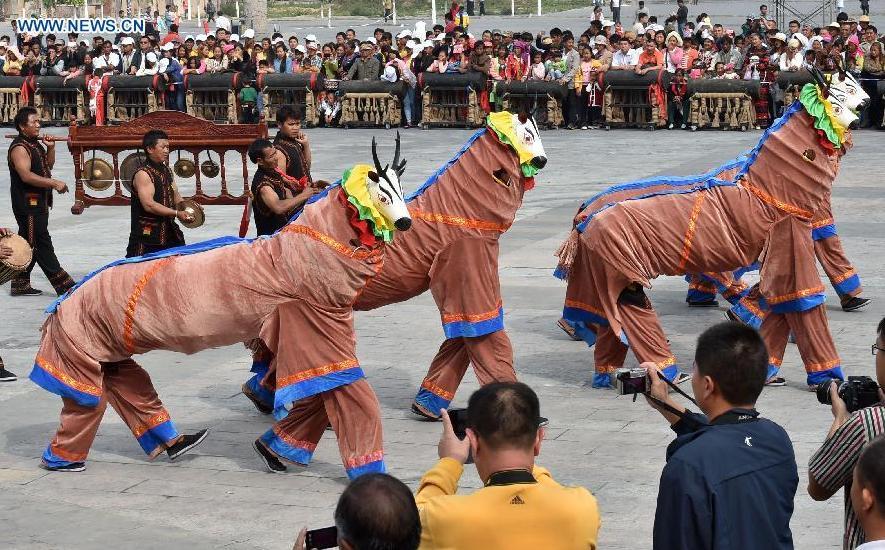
(186, 134)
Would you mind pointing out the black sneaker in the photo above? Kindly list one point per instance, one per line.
(262, 408)
(424, 413)
(854, 303)
(274, 465)
(186, 443)
(704, 303)
(6, 376)
(30, 291)
(72, 467)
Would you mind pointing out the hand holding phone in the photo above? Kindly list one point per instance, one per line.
(327, 537)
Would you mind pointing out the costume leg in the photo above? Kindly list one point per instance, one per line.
(749, 310)
(608, 355)
(446, 372)
(645, 336)
(815, 345)
(838, 268)
(355, 415)
(295, 437)
(131, 393)
(492, 357)
(775, 331)
(700, 290)
(261, 385)
(76, 432)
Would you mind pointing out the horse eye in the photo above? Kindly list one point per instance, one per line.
(837, 109)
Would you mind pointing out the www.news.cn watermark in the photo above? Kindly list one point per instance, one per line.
(104, 25)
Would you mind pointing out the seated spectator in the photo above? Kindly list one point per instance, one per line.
(504, 437)
(868, 493)
(731, 476)
(830, 467)
(330, 111)
(376, 511)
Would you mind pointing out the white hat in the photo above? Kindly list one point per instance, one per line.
(167, 47)
(186, 38)
(416, 48)
(127, 41)
(420, 29)
(793, 43)
(600, 40)
(277, 40)
(151, 56)
(234, 38)
(70, 44)
(115, 47)
(300, 48)
(801, 38)
(310, 45)
(404, 33)
(310, 38)
(411, 44)
(607, 23)
(780, 36)
(4, 43)
(389, 74)
(371, 39)
(427, 44)
(249, 33)
(201, 38)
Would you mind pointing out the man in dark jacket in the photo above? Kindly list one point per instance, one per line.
(730, 476)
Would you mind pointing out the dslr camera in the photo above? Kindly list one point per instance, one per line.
(630, 381)
(858, 392)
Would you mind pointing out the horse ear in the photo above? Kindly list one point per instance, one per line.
(373, 176)
(820, 80)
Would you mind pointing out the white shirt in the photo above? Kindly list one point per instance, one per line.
(106, 62)
(143, 70)
(223, 23)
(621, 59)
(874, 545)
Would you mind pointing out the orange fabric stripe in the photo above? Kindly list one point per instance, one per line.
(315, 372)
(433, 388)
(374, 456)
(607, 369)
(751, 306)
(153, 422)
(294, 442)
(775, 361)
(816, 367)
(67, 455)
(459, 221)
(777, 203)
(472, 317)
(669, 362)
(337, 246)
(689, 231)
(846, 275)
(66, 379)
(795, 295)
(822, 223)
(585, 307)
(132, 303)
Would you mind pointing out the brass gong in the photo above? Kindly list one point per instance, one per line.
(97, 174)
(194, 209)
(129, 166)
(209, 168)
(184, 168)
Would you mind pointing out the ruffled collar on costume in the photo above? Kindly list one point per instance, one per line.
(830, 132)
(370, 225)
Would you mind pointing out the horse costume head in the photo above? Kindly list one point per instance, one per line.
(832, 107)
(847, 90)
(521, 133)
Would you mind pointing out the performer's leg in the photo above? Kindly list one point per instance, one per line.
(446, 372)
(492, 357)
(775, 331)
(644, 333)
(131, 393)
(44, 255)
(76, 432)
(295, 437)
(608, 356)
(355, 415)
(838, 268)
(701, 292)
(259, 388)
(748, 310)
(815, 345)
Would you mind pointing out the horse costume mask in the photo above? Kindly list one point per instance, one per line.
(385, 190)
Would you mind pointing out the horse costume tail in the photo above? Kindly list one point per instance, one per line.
(566, 254)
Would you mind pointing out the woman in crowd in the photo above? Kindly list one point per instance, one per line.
(215, 64)
(673, 53)
(498, 70)
(873, 71)
(791, 59)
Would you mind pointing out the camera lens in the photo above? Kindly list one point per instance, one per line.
(823, 392)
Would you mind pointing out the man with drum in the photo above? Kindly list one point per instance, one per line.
(155, 201)
(5, 252)
(30, 166)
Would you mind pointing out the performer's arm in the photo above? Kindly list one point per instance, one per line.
(283, 206)
(144, 186)
(50, 151)
(305, 149)
(21, 160)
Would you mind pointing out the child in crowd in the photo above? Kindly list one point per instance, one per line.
(538, 71)
(730, 74)
(93, 87)
(677, 108)
(330, 111)
(594, 100)
(720, 70)
(556, 67)
(248, 103)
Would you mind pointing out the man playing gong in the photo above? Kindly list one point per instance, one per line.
(154, 201)
(30, 166)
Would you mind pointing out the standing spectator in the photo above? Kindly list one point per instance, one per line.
(281, 61)
(868, 494)
(594, 100)
(223, 22)
(625, 58)
(673, 53)
(677, 107)
(729, 55)
(731, 476)
(572, 61)
(616, 11)
(651, 59)
(830, 467)
(108, 61)
(387, 6)
(210, 11)
(791, 60)
(171, 69)
(504, 437)
(873, 71)
(5, 252)
(537, 70)
(367, 67)
(681, 17)
(249, 103)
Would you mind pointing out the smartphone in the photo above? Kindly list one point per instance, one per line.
(327, 537)
(459, 422)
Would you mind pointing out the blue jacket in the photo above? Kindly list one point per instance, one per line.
(727, 485)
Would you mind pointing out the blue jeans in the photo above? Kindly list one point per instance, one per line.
(408, 101)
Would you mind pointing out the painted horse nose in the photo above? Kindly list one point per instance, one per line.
(403, 224)
(539, 162)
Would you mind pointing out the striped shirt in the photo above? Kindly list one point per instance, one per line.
(832, 465)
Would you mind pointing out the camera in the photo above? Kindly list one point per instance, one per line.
(632, 381)
(858, 392)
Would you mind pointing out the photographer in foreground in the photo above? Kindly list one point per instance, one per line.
(730, 476)
(520, 506)
(830, 467)
(868, 494)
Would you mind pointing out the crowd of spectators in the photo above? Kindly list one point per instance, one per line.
(687, 49)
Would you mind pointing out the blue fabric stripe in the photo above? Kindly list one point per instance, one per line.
(800, 304)
(824, 375)
(772, 371)
(738, 273)
(319, 384)
(156, 436)
(56, 386)
(260, 392)
(824, 232)
(587, 334)
(435, 176)
(560, 273)
(746, 316)
(849, 285)
(376, 467)
(54, 461)
(467, 329)
(574, 314)
(602, 380)
(295, 454)
(431, 402)
(260, 368)
(694, 295)
(722, 289)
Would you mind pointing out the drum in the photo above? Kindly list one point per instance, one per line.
(18, 262)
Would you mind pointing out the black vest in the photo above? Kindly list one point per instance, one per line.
(150, 229)
(291, 149)
(27, 199)
(266, 222)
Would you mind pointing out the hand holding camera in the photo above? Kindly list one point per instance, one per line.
(454, 443)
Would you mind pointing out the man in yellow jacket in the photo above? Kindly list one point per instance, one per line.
(520, 506)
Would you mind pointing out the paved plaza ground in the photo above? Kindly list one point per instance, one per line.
(220, 496)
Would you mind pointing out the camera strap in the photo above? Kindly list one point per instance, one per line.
(666, 406)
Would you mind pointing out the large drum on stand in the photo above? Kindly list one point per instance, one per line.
(18, 262)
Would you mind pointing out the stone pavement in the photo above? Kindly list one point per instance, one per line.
(220, 496)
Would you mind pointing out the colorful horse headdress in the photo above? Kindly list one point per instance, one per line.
(832, 107)
(521, 133)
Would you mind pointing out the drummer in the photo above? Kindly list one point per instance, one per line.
(154, 201)
(31, 158)
(295, 160)
(5, 252)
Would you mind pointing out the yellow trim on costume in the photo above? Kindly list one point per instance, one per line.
(775, 202)
(847, 275)
(436, 390)
(374, 456)
(66, 379)
(668, 362)
(153, 422)
(65, 455)
(795, 295)
(689, 231)
(315, 372)
(822, 223)
(356, 188)
(751, 307)
(828, 109)
(474, 317)
(331, 242)
(132, 302)
(827, 365)
(293, 442)
(775, 361)
(459, 221)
